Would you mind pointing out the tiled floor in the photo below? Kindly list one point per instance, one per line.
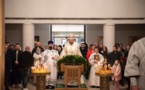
(33, 87)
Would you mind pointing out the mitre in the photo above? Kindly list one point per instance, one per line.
(71, 37)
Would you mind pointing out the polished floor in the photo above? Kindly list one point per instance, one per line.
(31, 86)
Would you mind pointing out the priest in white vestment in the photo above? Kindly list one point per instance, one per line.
(71, 47)
(50, 57)
(96, 61)
(135, 67)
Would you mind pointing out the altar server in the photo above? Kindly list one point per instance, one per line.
(96, 61)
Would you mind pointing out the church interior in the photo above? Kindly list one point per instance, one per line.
(109, 23)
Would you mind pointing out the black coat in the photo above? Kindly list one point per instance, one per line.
(119, 55)
(126, 53)
(14, 58)
(112, 57)
(100, 50)
(26, 60)
(8, 61)
(83, 52)
(105, 54)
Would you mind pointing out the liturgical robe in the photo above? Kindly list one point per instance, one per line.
(51, 64)
(95, 80)
(135, 67)
(70, 50)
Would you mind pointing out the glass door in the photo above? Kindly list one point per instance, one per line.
(60, 33)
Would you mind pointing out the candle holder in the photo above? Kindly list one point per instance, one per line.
(40, 71)
(104, 73)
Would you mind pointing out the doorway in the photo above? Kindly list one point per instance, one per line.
(60, 33)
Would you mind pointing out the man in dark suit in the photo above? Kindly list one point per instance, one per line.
(25, 65)
(8, 67)
(15, 66)
(113, 56)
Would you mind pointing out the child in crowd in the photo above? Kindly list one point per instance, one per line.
(116, 70)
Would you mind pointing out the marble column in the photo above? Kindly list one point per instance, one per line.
(109, 36)
(2, 39)
(28, 35)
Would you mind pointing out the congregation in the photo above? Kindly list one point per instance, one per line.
(18, 63)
